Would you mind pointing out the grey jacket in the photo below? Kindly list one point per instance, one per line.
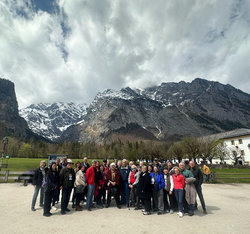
(190, 189)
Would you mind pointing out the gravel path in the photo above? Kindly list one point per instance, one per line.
(228, 212)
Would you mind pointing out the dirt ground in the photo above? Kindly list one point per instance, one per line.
(228, 209)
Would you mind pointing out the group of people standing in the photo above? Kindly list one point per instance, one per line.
(151, 188)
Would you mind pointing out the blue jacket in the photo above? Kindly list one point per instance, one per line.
(158, 180)
(124, 173)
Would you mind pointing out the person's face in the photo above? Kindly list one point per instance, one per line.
(42, 165)
(83, 168)
(155, 162)
(69, 165)
(155, 169)
(57, 161)
(53, 167)
(124, 163)
(150, 168)
(176, 171)
(108, 162)
(119, 164)
(85, 160)
(139, 168)
(191, 164)
(165, 171)
(144, 169)
(78, 164)
(169, 165)
(93, 164)
(141, 164)
(113, 167)
(182, 167)
(131, 164)
(104, 164)
(101, 168)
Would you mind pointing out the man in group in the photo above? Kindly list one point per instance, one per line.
(38, 179)
(124, 173)
(64, 162)
(91, 177)
(199, 179)
(85, 164)
(67, 180)
(158, 165)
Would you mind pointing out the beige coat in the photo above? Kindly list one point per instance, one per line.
(190, 191)
(80, 178)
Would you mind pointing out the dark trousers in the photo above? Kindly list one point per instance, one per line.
(200, 195)
(168, 200)
(185, 204)
(57, 194)
(65, 198)
(78, 198)
(115, 193)
(104, 196)
(134, 197)
(47, 201)
(146, 203)
(99, 196)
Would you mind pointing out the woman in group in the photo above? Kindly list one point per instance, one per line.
(101, 186)
(80, 184)
(51, 183)
(76, 169)
(133, 180)
(145, 189)
(179, 184)
(113, 178)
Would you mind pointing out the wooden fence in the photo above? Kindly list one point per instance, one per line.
(214, 177)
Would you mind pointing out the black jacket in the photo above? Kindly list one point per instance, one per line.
(38, 177)
(144, 186)
(52, 180)
(197, 175)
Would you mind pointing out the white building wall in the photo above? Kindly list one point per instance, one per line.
(239, 147)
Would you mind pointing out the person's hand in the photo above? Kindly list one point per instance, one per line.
(34, 186)
(99, 187)
(60, 187)
(170, 192)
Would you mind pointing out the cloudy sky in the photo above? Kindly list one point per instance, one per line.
(65, 50)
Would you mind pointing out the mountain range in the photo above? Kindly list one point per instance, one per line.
(168, 111)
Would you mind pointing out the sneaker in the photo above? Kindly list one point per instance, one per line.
(171, 211)
(136, 208)
(180, 214)
(143, 210)
(204, 211)
(47, 215)
(67, 209)
(107, 206)
(63, 212)
(56, 202)
(146, 213)
(160, 213)
(119, 207)
(73, 206)
(41, 205)
(33, 209)
(54, 208)
(166, 211)
(89, 209)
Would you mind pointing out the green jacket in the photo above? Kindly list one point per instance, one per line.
(187, 174)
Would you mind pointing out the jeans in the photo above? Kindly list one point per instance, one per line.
(207, 178)
(65, 198)
(179, 197)
(90, 194)
(125, 193)
(36, 191)
(199, 192)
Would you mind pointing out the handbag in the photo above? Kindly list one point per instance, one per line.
(79, 188)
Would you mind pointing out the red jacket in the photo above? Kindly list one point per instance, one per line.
(90, 176)
(179, 182)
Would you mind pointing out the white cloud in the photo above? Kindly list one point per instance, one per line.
(112, 44)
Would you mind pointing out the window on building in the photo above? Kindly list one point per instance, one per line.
(240, 141)
(232, 142)
(242, 152)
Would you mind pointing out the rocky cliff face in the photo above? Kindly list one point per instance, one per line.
(168, 111)
(50, 120)
(11, 124)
